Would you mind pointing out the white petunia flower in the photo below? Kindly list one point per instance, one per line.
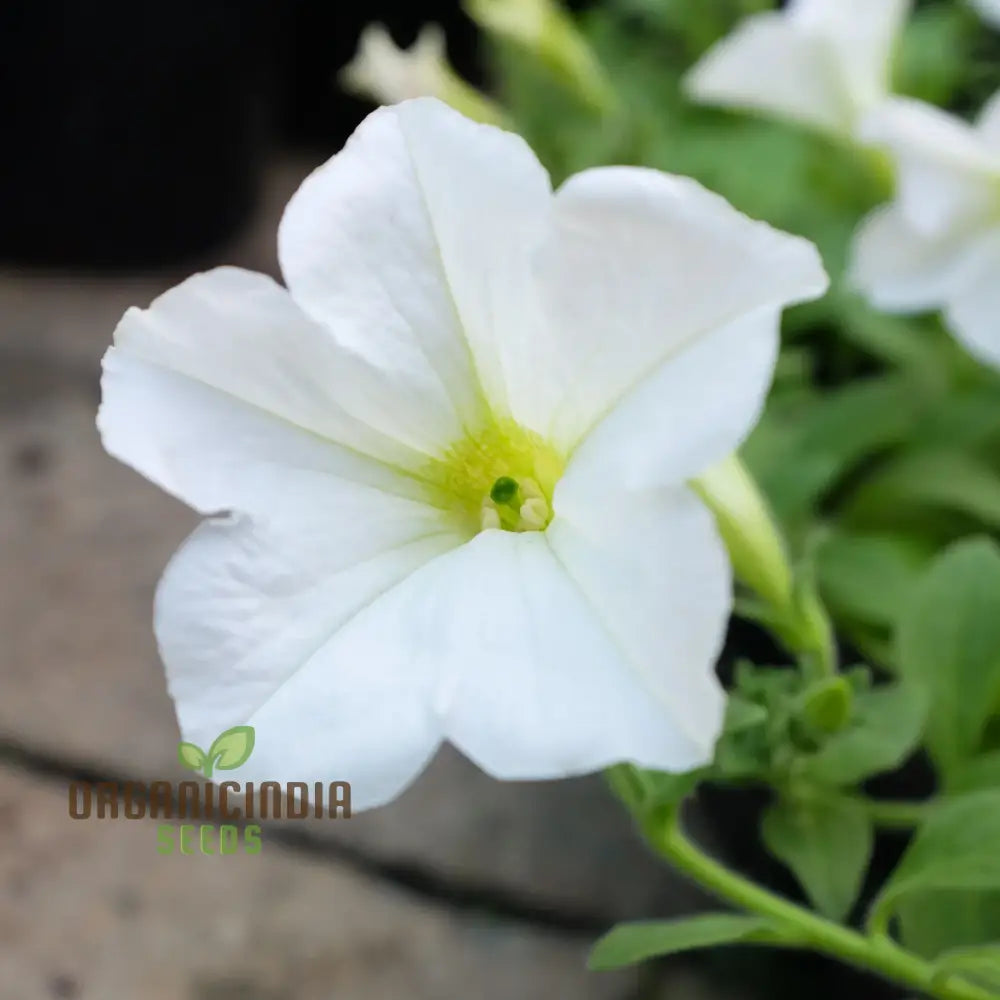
(822, 63)
(937, 246)
(387, 74)
(455, 454)
(989, 10)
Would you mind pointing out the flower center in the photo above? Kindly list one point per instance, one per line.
(503, 476)
(515, 506)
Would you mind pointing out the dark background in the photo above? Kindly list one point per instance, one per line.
(134, 132)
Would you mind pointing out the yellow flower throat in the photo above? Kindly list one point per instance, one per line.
(503, 476)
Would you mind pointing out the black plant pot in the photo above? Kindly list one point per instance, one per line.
(133, 132)
(734, 817)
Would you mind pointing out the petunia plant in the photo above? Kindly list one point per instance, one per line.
(693, 321)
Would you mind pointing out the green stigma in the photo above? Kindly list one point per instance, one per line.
(504, 490)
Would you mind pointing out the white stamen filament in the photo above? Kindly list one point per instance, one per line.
(534, 514)
(530, 490)
(489, 517)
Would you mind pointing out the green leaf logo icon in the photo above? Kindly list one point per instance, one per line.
(230, 749)
(191, 756)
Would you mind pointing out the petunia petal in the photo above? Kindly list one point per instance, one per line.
(863, 34)
(239, 336)
(502, 645)
(800, 82)
(653, 568)
(988, 122)
(410, 245)
(638, 267)
(946, 174)
(690, 413)
(989, 9)
(589, 644)
(973, 312)
(253, 620)
(900, 269)
(216, 452)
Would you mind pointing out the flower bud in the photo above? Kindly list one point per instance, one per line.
(826, 705)
(760, 562)
(388, 74)
(748, 530)
(545, 29)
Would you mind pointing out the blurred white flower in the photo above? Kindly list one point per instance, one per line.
(454, 455)
(822, 63)
(937, 246)
(382, 70)
(989, 10)
(387, 74)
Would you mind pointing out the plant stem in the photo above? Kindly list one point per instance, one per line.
(877, 954)
(898, 814)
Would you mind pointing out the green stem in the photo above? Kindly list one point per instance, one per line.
(817, 649)
(877, 954)
(899, 814)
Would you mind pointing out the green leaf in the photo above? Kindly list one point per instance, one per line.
(936, 481)
(975, 775)
(758, 716)
(625, 781)
(903, 342)
(931, 923)
(948, 643)
(796, 457)
(887, 725)
(868, 577)
(977, 965)
(742, 714)
(630, 943)
(933, 57)
(191, 756)
(954, 849)
(643, 791)
(827, 704)
(232, 748)
(969, 421)
(827, 844)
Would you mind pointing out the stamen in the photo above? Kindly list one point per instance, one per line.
(534, 514)
(489, 518)
(530, 490)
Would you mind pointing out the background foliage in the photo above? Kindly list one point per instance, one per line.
(880, 456)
